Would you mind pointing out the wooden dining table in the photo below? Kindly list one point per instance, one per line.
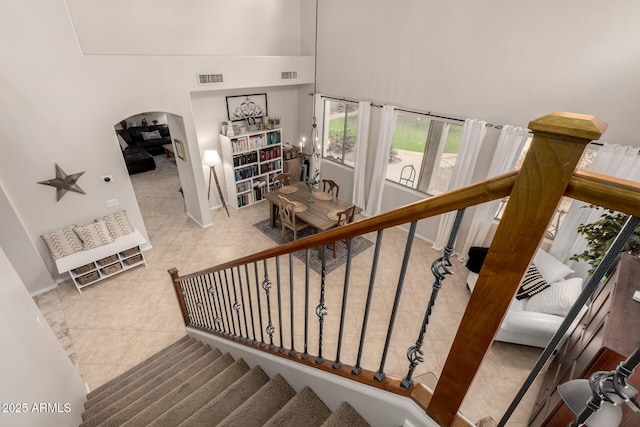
(317, 213)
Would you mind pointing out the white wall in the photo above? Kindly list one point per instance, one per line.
(33, 366)
(60, 106)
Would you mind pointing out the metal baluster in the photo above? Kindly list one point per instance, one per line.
(292, 351)
(231, 307)
(345, 289)
(281, 348)
(206, 303)
(266, 285)
(211, 291)
(255, 267)
(244, 311)
(187, 300)
(236, 305)
(253, 326)
(223, 297)
(372, 278)
(380, 375)
(321, 309)
(202, 306)
(606, 263)
(305, 354)
(217, 297)
(439, 268)
(193, 318)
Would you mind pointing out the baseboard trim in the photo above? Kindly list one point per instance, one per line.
(198, 222)
(47, 289)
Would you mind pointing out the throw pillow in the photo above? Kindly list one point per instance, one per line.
(122, 142)
(150, 135)
(531, 283)
(62, 242)
(550, 267)
(117, 224)
(557, 299)
(94, 234)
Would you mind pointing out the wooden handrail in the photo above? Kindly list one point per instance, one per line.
(606, 191)
(475, 194)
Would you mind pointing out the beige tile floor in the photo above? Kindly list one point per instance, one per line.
(117, 323)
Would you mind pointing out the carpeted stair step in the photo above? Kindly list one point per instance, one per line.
(176, 346)
(260, 407)
(150, 369)
(127, 408)
(305, 409)
(121, 398)
(345, 416)
(203, 395)
(226, 402)
(172, 393)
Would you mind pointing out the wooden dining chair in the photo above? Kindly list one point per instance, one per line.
(344, 217)
(288, 218)
(330, 186)
(281, 180)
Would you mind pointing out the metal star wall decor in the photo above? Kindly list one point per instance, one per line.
(64, 182)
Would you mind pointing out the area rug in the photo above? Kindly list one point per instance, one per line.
(358, 244)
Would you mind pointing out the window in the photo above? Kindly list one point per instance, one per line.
(423, 152)
(341, 131)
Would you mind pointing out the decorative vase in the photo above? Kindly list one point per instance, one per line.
(311, 199)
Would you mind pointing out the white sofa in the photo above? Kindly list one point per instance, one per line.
(536, 328)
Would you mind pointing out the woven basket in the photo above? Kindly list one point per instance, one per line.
(133, 260)
(84, 268)
(88, 278)
(108, 260)
(130, 252)
(110, 269)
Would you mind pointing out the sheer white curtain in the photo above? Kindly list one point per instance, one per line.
(473, 135)
(611, 159)
(385, 138)
(364, 119)
(508, 149)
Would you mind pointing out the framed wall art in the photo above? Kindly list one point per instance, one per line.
(244, 106)
(180, 149)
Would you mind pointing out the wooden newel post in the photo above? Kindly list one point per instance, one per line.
(173, 272)
(557, 146)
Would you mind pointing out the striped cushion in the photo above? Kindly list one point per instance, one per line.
(117, 224)
(62, 242)
(532, 283)
(94, 234)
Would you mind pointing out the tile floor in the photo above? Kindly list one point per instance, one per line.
(117, 323)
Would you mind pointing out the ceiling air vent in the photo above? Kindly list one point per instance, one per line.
(289, 75)
(207, 79)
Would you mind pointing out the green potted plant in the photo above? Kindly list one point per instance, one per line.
(600, 235)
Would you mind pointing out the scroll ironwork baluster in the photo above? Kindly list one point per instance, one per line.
(305, 354)
(253, 326)
(187, 300)
(439, 268)
(244, 311)
(255, 267)
(345, 290)
(281, 348)
(266, 285)
(236, 304)
(217, 298)
(292, 351)
(191, 312)
(357, 369)
(380, 375)
(222, 297)
(231, 304)
(207, 303)
(321, 309)
(211, 291)
(207, 322)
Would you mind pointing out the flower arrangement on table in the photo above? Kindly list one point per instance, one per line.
(312, 183)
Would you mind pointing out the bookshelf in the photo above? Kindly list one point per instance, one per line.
(250, 161)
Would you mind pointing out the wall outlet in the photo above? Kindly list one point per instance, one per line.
(111, 203)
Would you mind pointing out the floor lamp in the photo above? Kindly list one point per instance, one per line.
(211, 158)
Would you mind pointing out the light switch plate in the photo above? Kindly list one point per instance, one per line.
(636, 296)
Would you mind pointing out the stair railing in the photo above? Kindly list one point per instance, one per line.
(209, 299)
